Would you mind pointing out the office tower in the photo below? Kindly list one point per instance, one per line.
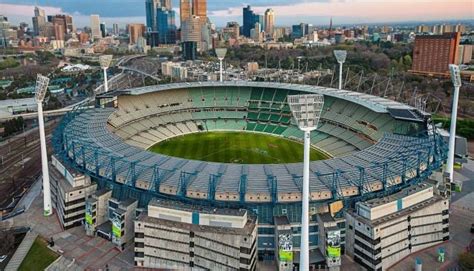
(423, 29)
(269, 21)
(299, 30)
(59, 31)
(115, 29)
(185, 11)
(200, 9)
(166, 26)
(103, 29)
(249, 21)
(95, 27)
(433, 53)
(39, 21)
(135, 31)
(191, 29)
(151, 7)
(232, 30)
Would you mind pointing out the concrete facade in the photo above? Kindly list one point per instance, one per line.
(69, 190)
(174, 235)
(97, 210)
(382, 231)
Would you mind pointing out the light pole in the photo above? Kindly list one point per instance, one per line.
(41, 88)
(104, 61)
(341, 58)
(456, 78)
(306, 110)
(221, 52)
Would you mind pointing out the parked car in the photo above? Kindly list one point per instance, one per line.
(3, 258)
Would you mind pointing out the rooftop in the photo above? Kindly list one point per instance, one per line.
(246, 230)
(171, 204)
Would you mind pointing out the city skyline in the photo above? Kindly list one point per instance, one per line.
(315, 12)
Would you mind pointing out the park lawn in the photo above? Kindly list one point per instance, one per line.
(39, 256)
(235, 147)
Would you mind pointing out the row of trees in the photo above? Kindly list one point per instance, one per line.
(13, 126)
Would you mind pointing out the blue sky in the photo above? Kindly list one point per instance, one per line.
(287, 12)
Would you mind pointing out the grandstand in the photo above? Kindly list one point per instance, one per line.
(377, 146)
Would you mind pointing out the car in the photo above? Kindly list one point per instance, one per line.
(472, 228)
(3, 258)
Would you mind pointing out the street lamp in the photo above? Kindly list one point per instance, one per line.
(306, 110)
(104, 61)
(456, 78)
(41, 88)
(221, 52)
(341, 58)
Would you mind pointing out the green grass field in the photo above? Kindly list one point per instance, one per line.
(235, 147)
(39, 256)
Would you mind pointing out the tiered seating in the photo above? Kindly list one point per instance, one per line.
(345, 126)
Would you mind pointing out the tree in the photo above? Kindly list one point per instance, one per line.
(7, 240)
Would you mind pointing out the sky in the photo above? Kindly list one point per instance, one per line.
(288, 12)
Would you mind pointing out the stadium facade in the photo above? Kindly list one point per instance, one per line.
(378, 147)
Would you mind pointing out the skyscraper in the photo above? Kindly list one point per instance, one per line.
(39, 21)
(95, 27)
(115, 29)
(184, 11)
(249, 21)
(200, 9)
(151, 8)
(103, 29)
(135, 31)
(166, 26)
(269, 21)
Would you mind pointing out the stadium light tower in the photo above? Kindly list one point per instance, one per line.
(341, 58)
(221, 52)
(104, 64)
(306, 110)
(456, 78)
(41, 88)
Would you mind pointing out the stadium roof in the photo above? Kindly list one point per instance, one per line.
(375, 103)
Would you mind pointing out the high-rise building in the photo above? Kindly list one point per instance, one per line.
(269, 21)
(191, 29)
(184, 11)
(166, 26)
(115, 29)
(232, 30)
(433, 53)
(135, 31)
(103, 29)
(95, 27)
(59, 31)
(151, 7)
(39, 21)
(200, 9)
(299, 30)
(249, 21)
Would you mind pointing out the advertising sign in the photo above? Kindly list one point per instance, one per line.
(285, 247)
(334, 244)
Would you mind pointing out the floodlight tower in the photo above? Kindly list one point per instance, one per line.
(221, 52)
(104, 64)
(456, 78)
(341, 58)
(41, 88)
(306, 110)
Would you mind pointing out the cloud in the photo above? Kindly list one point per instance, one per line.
(26, 10)
(370, 10)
